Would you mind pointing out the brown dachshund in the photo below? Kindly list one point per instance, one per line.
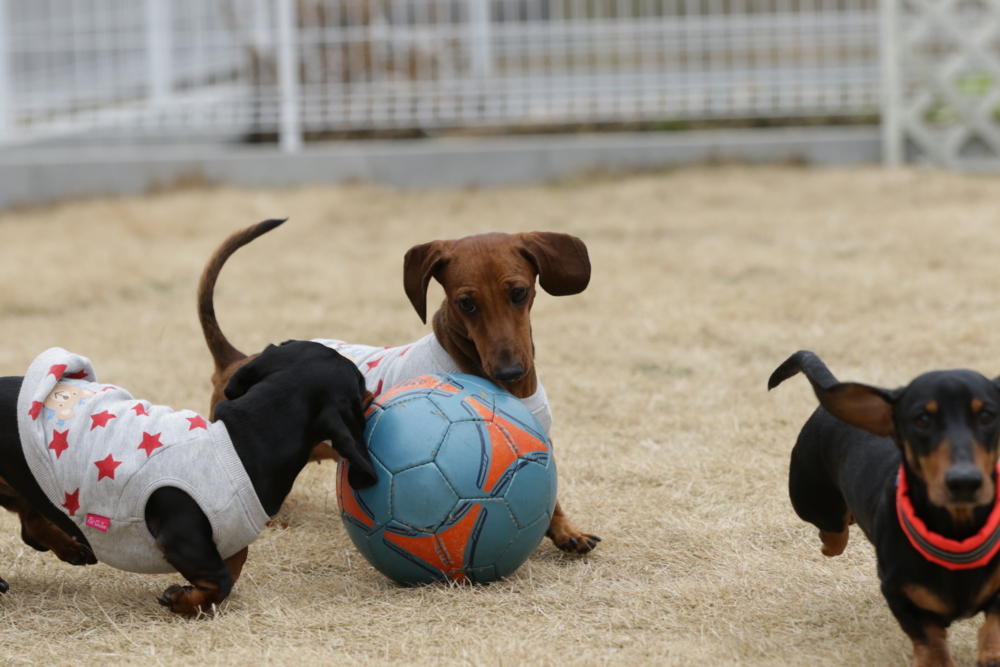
(484, 323)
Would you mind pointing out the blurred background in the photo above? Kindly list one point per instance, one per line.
(898, 80)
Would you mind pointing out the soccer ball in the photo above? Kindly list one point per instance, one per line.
(466, 482)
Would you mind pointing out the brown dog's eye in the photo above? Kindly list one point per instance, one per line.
(986, 417)
(467, 305)
(923, 421)
(518, 295)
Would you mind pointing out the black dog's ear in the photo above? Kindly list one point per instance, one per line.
(344, 427)
(860, 405)
(421, 263)
(561, 261)
(247, 376)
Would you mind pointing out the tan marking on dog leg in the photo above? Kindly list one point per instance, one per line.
(934, 651)
(989, 640)
(235, 563)
(835, 543)
(567, 537)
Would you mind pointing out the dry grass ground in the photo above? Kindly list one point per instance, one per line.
(669, 446)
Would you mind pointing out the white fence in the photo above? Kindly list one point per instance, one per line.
(942, 82)
(149, 69)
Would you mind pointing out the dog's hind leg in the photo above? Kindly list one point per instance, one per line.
(816, 499)
(184, 534)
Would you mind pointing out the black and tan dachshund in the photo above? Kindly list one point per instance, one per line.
(278, 407)
(916, 469)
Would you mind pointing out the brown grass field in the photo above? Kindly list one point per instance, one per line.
(669, 446)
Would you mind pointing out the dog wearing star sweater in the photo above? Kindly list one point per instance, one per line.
(99, 476)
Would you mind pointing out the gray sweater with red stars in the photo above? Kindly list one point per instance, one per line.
(98, 454)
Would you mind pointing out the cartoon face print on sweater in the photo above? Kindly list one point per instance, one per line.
(62, 399)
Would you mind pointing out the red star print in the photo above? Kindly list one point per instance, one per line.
(72, 503)
(36, 409)
(406, 350)
(57, 370)
(59, 444)
(79, 375)
(101, 419)
(149, 443)
(373, 364)
(110, 387)
(378, 389)
(140, 411)
(197, 422)
(106, 467)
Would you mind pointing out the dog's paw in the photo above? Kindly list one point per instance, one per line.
(4, 586)
(184, 600)
(74, 553)
(572, 541)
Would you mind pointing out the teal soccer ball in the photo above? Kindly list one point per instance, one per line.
(466, 482)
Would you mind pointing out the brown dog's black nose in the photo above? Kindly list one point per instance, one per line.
(963, 481)
(509, 373)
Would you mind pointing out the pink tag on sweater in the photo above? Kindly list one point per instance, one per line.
(99, 522)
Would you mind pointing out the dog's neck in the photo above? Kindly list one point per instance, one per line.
(939, 520)
(273, 443)
(454, 339)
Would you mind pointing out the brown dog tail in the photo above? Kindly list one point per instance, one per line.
(223, 353)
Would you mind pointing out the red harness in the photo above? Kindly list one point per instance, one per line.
(972, 552)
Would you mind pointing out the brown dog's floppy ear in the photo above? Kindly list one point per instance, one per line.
(860, 405)
(419, 266)
(561, 261)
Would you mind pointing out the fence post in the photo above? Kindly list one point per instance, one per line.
(288, 78)
(480, 48)
(889, 55)
(159, 44)
(6, 89)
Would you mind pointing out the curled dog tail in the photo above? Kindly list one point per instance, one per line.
(861, 405)
(805, 362)
(223, 353)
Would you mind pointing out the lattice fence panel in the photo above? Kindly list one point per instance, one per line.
(944, 88)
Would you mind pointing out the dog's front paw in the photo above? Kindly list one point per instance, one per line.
(4, 586)
(74, 553)
(989, 641)
(184, 600)
(570, 539)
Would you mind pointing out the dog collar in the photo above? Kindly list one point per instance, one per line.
(972, 552)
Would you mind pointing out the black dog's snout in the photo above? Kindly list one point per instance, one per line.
(963, 481)
(509, 373)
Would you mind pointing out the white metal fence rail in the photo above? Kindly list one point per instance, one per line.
(156, 68)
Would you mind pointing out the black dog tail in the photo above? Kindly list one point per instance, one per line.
(807, 363)
(223, 353)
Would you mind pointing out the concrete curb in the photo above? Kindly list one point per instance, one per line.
(42, 175)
